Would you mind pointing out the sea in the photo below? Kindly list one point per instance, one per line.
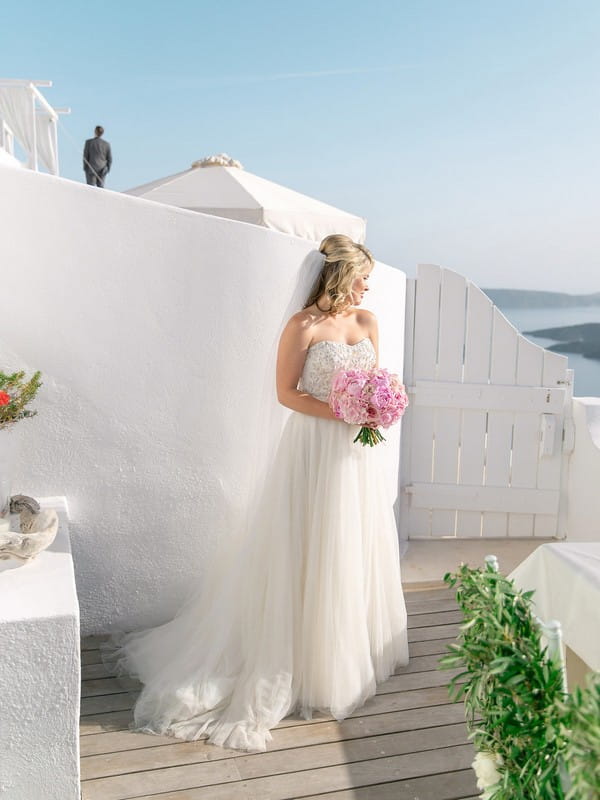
(586, 382)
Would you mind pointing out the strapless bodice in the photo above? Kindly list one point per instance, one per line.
(325, 358)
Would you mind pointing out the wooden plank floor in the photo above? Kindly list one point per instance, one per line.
(406, 743)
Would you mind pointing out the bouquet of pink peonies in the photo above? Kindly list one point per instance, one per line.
(370, 398)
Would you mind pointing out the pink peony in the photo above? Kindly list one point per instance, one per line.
(370, 398)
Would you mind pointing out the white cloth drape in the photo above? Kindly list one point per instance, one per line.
(566, 580)
(46, 142)
(17, 109)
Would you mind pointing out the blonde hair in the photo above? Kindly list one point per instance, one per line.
(345, 260)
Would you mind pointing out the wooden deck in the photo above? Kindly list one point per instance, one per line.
(406, 743)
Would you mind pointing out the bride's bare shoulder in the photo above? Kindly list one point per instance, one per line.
(303, 320)
(364, 316)
(300, 325)
(366, 319)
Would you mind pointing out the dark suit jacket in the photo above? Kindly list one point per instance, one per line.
(97, 156)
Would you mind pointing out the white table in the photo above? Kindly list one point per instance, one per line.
(566, 579)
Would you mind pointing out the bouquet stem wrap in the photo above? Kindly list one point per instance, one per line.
(370, 436)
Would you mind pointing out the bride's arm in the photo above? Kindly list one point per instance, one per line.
(291, 355)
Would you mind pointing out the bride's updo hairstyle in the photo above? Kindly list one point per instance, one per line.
(345, 260)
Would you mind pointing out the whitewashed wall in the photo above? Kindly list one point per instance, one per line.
(8, 160)
(152, 326)
(40, 674)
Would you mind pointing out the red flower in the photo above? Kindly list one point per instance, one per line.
(4, 398)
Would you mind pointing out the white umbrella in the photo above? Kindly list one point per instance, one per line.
(220, 186)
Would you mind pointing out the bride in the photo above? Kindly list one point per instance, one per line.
(308, 614)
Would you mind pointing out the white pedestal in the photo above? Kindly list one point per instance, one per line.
(40, 673)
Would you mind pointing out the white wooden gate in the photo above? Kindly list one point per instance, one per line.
(485, 440)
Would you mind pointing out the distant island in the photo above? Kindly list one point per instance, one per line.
(531, 298)
(583, 338)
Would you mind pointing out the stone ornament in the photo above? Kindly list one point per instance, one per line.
(21, 502)
(220, 160)
(38, 530)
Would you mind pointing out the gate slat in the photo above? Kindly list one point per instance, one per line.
(555, 368)
(409, 331)
(445, 465)
(449, 368)
(421, 460)
(500, 423)
(427, 300)
(478, 336)
(407, 420)
(526, 436)
(549, 469)
(452, 326)
(503, 361)
(426, 328)
(472, 458)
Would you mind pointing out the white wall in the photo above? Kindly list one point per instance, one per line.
(40, 674)
(583, 521)
(153, 327)
(8, 160)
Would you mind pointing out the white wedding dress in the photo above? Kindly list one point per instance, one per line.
(308, 616)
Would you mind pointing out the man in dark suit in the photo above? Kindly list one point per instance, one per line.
(97, 158)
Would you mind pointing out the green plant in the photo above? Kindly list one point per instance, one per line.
(15, 394)
(509, 685)
(580, 726)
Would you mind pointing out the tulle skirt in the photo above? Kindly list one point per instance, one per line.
(307, 615)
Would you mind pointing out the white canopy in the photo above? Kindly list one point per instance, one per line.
(230, 191)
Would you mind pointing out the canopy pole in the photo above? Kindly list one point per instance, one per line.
(33, 156)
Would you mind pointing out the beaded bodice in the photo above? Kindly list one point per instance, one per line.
(325, 358)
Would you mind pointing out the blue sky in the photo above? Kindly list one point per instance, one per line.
(466, 131)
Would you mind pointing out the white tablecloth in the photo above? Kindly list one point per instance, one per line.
(566, 579)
